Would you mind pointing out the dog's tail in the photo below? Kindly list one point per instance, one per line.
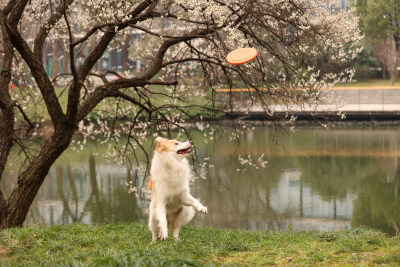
(150, 185)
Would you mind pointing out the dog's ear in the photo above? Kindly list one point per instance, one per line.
(159, 140)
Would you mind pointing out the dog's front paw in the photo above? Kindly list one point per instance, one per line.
(203, 209)
(163, 236)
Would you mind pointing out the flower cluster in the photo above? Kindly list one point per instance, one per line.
(248, 161)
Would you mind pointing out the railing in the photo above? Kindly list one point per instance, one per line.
(376, 99)
(385, 98)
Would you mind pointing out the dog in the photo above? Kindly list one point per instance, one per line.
(171, 203)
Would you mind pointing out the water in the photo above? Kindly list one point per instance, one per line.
(315, 179)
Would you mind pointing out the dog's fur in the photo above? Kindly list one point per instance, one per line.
(171, 203)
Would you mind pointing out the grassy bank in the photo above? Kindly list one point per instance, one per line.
(129, 244)
(370, 83)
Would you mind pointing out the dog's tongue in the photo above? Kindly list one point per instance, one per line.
(184, 151)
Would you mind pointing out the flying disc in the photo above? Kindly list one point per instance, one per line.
(241, 56)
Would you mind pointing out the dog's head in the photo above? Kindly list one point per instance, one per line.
(174, 147)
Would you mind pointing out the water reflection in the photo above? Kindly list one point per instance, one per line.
(315, 179)
(86, 193)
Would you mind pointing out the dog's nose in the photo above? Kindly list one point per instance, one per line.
(190, 142)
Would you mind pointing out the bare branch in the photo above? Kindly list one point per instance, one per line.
(71, 47)
(31, 126)
(38, 71)
(130, 99)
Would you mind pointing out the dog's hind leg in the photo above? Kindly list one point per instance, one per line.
(181, 218)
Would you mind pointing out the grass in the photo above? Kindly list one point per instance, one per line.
(129, 245)
(369, 83)
(37, 111)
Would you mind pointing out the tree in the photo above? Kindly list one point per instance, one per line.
(386, 53)
(291, 36)
(366, 63)
(380, 18)
(380, 21)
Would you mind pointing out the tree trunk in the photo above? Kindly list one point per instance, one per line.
(6, 131)
(30, 180)
(125, 54)
(396, 39)
(6, 111)
(6, 143)
(383, 72)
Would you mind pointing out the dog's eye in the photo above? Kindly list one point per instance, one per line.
(176, 144)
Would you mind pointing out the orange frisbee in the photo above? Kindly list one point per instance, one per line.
(241, 56)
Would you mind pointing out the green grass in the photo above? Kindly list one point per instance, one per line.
(369, 83)
(129, 245)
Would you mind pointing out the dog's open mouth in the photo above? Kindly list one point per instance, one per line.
(185, 151)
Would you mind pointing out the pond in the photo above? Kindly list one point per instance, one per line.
(316, 179)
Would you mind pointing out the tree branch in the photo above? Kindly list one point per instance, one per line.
(45, 29)
(7, 9)
(16, 10)
(38, 71)
(31, 126)
(131, 99)
(123, 24)
(158, 59)
(94, 56)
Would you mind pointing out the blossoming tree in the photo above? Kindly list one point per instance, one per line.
(304, 47)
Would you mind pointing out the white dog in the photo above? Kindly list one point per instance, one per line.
(171, 203)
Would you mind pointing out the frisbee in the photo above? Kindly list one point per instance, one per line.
(241, 56)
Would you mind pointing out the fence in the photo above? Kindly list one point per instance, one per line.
(377, 99)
